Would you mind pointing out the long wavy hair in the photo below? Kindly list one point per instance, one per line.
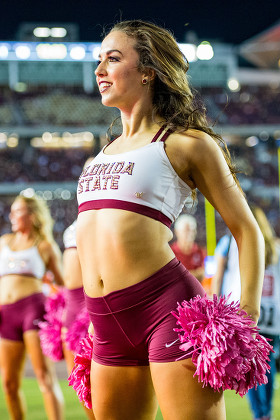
(42, 220)
(179, 106)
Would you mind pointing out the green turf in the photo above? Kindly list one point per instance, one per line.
(237, 407)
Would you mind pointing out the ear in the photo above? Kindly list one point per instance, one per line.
(149, 74)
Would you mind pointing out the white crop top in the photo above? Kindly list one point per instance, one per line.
(69, 236)
(27, 262)
(142, 181)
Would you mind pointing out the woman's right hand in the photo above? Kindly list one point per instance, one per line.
(90, 329)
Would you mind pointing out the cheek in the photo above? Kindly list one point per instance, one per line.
(125, 77)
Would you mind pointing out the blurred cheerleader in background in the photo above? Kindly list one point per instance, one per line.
(25, 256)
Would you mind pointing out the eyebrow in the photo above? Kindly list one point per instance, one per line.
(110, 51)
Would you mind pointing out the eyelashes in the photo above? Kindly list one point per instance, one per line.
(110, 59)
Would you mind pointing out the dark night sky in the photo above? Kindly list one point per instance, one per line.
(231, 22)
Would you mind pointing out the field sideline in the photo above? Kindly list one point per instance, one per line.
(237, 407)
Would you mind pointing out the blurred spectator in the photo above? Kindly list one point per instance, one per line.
(185, 249)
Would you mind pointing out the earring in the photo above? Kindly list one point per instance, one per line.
(144, 81)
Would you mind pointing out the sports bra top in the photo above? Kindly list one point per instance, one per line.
(142, 181)
(69, 236)
(27, 262)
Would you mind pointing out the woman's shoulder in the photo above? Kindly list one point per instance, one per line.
(193, 146)
(5, 239)
(44, 247)
(194, 140)
(48, 247)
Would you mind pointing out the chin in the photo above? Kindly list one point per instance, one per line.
(107, 102)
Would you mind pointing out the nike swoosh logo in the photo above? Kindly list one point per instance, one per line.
(171, 344)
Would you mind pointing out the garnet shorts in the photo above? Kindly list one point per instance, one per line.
(134, 326)
(21, 316)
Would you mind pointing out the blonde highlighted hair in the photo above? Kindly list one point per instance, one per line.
(42, 220)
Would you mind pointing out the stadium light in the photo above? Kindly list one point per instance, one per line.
(252, 141)
(58, 32)
(204, 51)
(95, 53)
(51, 51)
(3, 138)
(28, 192)
(4, 51)
(66, 195)
(189, 51)
(77, 52)
(264, 136)
(45, 32)
(23, 52)
(12, 141)
(233, 85)
(42, 32)
(47, 137)
(20, 87)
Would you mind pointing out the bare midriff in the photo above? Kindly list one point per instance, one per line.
(14, 287)
(118, 248)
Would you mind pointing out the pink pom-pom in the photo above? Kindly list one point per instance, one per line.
(50, 328)
(77, 331)
(219, 338)
(79, 378)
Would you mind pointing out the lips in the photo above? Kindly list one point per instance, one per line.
(103, 86)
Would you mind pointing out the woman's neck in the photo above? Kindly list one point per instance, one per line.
(26, 237)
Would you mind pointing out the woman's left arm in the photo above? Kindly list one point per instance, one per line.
(209, 172)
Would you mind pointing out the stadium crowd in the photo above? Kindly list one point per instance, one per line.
(25, 164)
(71, 106)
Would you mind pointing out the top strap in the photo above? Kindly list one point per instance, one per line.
(157, 134)
(164, 137)
(167, 134)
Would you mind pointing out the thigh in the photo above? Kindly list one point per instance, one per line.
(181, 396)
(68, 357)
(12, 357)
(122, 392)
(41, 364)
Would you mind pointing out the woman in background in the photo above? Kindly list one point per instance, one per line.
(186, 249)
(25, 255)
(75, 313)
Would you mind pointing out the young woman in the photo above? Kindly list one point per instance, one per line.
(128, 197)
(25, 255)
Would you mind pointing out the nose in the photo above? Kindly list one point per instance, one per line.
(100, 69)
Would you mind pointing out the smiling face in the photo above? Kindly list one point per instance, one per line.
(20, 217)
(117, 74)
